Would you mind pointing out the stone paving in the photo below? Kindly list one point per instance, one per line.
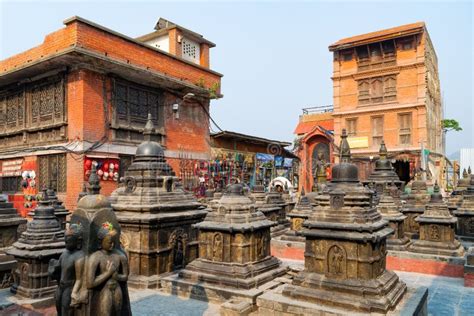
(447, 297)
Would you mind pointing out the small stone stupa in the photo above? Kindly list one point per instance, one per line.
(60, 211)
(345, 251)
(43, 240)
(456, 197)
(415, 206)
(391, 212)
(383, 174)
(437, 227)
(298, 215)
(9, 223)
(234, 253)
(272, 205)
(156, 216)
(465, 215)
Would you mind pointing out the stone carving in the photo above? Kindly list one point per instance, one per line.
(437, 229)
(234, 252)
(273, 206)
(156, 214)
(465, 214)
(345, 248)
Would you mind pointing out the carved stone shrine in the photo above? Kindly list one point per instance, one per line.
(234, 253)
(156, 216)
(415, 206)
(437, 227)
(60, 211)
(298, 215)
(43, 240)
(345, 253)
(383, 174)
(9, 223)
(391, 212)
(272, 205)
(465, 215)
(456, 197)
(97, 281)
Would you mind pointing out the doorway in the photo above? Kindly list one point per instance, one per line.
(402, 168)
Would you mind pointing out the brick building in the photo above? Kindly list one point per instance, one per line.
(83, 96)
(386, 86)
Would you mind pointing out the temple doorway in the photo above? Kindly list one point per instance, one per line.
(402, 168)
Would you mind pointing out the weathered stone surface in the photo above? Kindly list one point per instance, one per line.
(297, 216)
(234, 252)
(9, 223)
(415, 206)
(274, 207)
(60, 211)
(437, 229)
(456, 197)
(156, 216)
(465, 214)
(346, 248)
(43, 240)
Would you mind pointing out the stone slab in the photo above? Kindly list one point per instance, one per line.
(414, 302)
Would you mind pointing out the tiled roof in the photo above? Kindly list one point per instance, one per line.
(376, 36)
(306, 127)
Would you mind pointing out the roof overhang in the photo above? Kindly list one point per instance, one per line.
(249, 139)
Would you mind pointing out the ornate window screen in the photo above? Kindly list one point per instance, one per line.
(52, 172)
(404, 132)
(10, 184)
(377, 130)
(377, 89)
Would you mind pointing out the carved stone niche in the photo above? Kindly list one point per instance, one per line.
(156, 216)
(234, 253)
(465, 215)
(437, 230)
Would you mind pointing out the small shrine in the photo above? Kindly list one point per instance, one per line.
(234, 253)
(9, 223)
(455, 199)
(298, 215)
(60, 211)
(156, 216)
(345, 253)
(415, 206)
(43, 240)
(272, 205)
(391, 212)
(93, 270)
(437, 227)
(383, 174)
(465, 215)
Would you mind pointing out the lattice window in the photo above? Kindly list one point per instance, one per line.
(351, 126)
(10, 184)
(377, 130)
(404, 132)
(378, 89)
(52, 172)
(190, 50)
(364, 92)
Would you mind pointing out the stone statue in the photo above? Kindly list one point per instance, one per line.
(107, 273)
(68, 272)
(319, 172)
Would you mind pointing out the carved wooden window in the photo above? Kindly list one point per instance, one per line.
(10, 184)
(12, 112)
(375, 52)
(132, 103)
(404, 123)
(406, 43)
(390, 88)
(363, 61)
(52, 172)
(376, 90)
(47, 103)
(377, 130)
(347, 55)
(364, 92)
(351, 126)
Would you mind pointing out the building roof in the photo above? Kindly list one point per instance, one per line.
(163, 26)
(306, 127)
(372, 37)
(249, 138)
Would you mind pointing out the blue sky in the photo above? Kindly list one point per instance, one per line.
(273, 55)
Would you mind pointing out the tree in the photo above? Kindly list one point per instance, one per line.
(450, 125)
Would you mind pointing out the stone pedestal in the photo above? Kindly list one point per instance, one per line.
(9, 222)
(345, 250)
(465, 215)
(437, 230)
(156, 217)
(272, 205)
(391, 212)
(414, 207)
(43, 240)
(298, 215)
(234, 253)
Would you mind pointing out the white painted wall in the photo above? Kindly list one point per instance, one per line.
(161, 42)
(190, 50)
(466, 159)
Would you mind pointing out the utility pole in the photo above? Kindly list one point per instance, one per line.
(423, 161)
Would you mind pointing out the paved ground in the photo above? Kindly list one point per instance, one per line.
(447, 296)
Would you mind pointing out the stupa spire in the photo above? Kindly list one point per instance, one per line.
(383, 150)
(345, 150)
(94, 183)
(149, 128)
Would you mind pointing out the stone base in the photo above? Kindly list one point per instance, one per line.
(449, 249)
(291, 236)
(33, 303)
(425, 263)
(236, 307)
(278, 231)
(398, 244)
(144, 282)
(33, 294)
(273, 302)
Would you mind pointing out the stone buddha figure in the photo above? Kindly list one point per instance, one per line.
(319, 172)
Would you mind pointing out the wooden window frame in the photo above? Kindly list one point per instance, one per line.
(376, 138)
(404, 132)
(351, 133)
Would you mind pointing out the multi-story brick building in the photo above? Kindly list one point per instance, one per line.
(386, 86)
(84, 94)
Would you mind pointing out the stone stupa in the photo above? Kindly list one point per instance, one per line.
(437, 226)
(43, 240)
(345, 253)
(465, 215)
(60, 211)
(415, 206)
(273, 206)
(456, 197)
(156, 216)
(234, 253)
(298, 215)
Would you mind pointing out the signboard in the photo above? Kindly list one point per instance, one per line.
(358, 142)
(11, 168)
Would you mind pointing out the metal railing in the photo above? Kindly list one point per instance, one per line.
(318, 109)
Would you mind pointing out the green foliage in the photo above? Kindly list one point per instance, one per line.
(450, 125)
